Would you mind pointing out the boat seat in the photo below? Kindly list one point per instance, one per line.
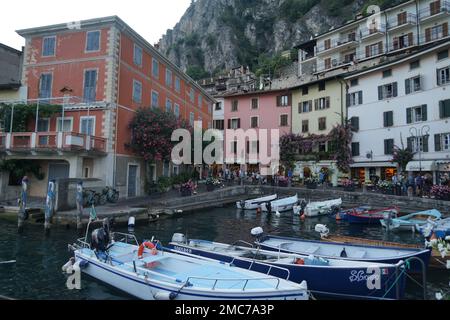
(359, 254)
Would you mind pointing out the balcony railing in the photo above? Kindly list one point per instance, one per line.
(58, 141)
(429, 12)
(401, 46)
(373, 30)
(432, 37)
(334, 43)
(395, 22)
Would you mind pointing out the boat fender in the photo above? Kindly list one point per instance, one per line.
(68, 264)
(162, 295)
(149, 246)
(256, 232)
(84, 264)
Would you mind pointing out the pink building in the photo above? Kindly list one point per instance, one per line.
(256, 110)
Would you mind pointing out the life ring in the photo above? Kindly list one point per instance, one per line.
(300, 262)
(149, 246)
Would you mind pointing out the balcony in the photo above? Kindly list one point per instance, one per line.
(373, 32)
(424, 38)
(397, 24)
(338, 44)
(335, 63)
(439, 10)
(398, 46)
(51, 142)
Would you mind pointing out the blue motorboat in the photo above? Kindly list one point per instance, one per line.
(343, 214)
(441, 228)
(326, 278)
(410, 221)
(346, 251)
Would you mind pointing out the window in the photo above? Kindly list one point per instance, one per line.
(254, 122)
(219, 124)
(443, 76)
(218, 106)
(255, 103)
(416, 114)
(176, 110)
(92, 41)
(254, 147)
(155, 68)
(354, 123)
(284, 120)
(322, 124)
(166, 169)
(234, 124)
(64, 126)
(404, 41)
(176, 170)
(327, 44)
(354, 82)
(168, 105)
(168, 77)
(355, 149)
(305, 106)
(387, 73)
(444, 109)
(305, 90)
(45, 86)
(389, 146)
(442, 142)
(284, 101)
(87, 126)
(413, 85)
(155, 99)
(90, 86)
(305, 126)
(192, 95)
(355, 98)
(322, 86)
(374, 49)
(200, 100)
(387, 91)
(402, 18)
(234, 105)
(177, 84)
(137, 91)
(418, 144)
(442, 55)
(191, 118)
(414, 65)
(322, 103)
(137, 56)
(48, 46)
(234, 147)
(388, 119)
(437, 32)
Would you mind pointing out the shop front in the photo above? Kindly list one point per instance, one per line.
(371, 173)
(428, 168)
(443, 171)
(326, 170)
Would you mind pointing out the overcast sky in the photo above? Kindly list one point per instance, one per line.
(150, 18)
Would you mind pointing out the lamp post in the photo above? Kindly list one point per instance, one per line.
(418, 135)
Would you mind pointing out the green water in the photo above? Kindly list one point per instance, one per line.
(37, 272)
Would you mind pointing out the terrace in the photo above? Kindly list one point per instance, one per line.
(435, 11)
(397, 24)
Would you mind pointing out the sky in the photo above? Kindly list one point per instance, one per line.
(150, 18)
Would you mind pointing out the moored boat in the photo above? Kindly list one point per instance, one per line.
(372, 216)
(345, 251)
(280, 205)
(342, 215)
(345, 279)
(440, 228)
(255, 203)
(146, 272)
(315, 209)
(410, 221)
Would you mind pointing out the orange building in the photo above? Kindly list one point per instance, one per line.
(102, 71)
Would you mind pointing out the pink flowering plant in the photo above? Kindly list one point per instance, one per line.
(441, 192)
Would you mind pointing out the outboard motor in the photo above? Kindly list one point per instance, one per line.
(257, 233)
(323, 230)
(131, 224)
(334, 210)
(179, 238)
(100, 237)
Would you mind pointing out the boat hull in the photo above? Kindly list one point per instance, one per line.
(322, 208)
(254, 204)
(150, 290)
(281, 205)
(342, 282)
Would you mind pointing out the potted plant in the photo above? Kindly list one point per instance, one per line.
(385, 187)
(188, 188)
(210, 184)
(348, 185)
(283, 182)
(164, 184)
(441, 192)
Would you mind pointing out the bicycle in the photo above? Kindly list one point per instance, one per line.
(90, 198)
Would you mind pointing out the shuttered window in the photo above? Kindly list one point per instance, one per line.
(90, 86)
(388, 118)
(413, 84)
(48, 46)
(388, 146)
(93, 41)
(355, 149)
(443, 76)
(354, 123)
(417, 114)
(45, 86)
(444, 109)
(387, 91)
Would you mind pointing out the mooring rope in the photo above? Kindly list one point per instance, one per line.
(8, 262)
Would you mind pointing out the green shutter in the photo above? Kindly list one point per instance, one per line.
(394, 89)
(424, 113)
(408, 86)
(409, 115)
(437, 142)
(380, 93)
(425, 143)
(441, 109)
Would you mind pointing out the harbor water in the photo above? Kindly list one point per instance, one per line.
(37, 272)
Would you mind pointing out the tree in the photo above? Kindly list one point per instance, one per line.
(341, 138)
(402, 156)
(152, 131)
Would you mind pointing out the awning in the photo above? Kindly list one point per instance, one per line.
(373, 165)
(415, 166)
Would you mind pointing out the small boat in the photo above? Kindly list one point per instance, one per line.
(436, 260)
(255, 203)
(280, 205)
(345, 251)
(345, 279)
(410, 221)
(342, 215)
(147, 272)
(372, 216)
(315, 209)
(441, 228)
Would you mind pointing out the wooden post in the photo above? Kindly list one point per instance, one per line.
(79, 200)
(50, 205)
(22, 204)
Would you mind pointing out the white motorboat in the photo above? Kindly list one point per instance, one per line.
(315, 209)
(255, 203)
(280, 205)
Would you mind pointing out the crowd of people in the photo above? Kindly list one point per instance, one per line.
(419, 185)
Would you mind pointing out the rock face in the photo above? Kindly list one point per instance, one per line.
(214, 35)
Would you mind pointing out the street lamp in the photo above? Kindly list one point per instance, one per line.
(418, 135)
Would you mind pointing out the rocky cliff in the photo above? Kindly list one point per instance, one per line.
(214, 35)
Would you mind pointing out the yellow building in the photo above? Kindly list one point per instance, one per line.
(318, 106)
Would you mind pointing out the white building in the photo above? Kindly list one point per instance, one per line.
(395, 101)
(219, 114)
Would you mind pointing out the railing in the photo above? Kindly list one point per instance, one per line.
(269, 266)
(395, 22)
(433, 37)
(246, 281)
(428, 12)
(337, 42)
(400, 46)
(52, 140)
(375, 29)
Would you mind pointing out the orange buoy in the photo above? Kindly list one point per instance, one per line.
(338, 217)
(149, 246)
(300, 262)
